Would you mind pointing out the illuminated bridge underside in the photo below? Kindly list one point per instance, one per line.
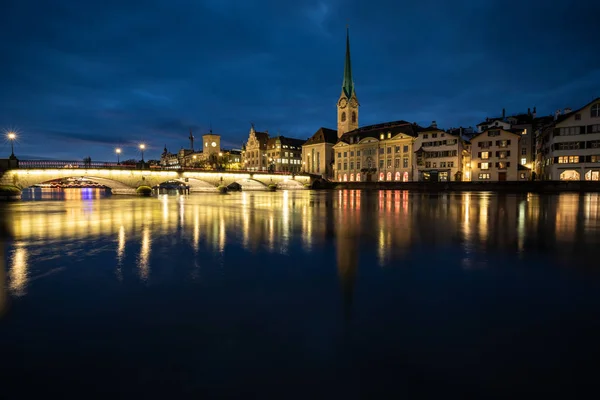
(127, 181)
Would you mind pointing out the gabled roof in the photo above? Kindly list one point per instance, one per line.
(429, 129)
(261, 136)
(492, 120)
(565, 116)
(516, 132)
(323, 135)
(394, 127)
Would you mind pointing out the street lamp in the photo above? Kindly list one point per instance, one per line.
(118, 151)
(142, 147)
(12, 136)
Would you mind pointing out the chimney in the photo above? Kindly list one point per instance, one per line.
(503, 113)
(556, 114)
(567, 110)
(433, 124)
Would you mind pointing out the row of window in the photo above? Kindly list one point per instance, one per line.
(382, 177)
(485, 155)
(439, 154)
(286, 161)
(372, 151)
(500, 165)
(369, 165)
(590, 144)
(443, 164)
(577, 130)
(449, 142)
(499, 143)
(286, 154)
(433, 135)
(575, 159)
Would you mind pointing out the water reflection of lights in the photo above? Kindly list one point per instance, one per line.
(120, 252)
(18, 271)
(3, 291)
(144, 259)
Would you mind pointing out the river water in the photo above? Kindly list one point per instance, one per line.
(298, 294)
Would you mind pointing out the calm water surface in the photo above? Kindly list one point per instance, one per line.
(299, 294)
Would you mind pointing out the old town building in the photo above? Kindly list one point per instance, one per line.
(255, 151)
(318, 153)
(570, 144)
(440, 156)
(376, 152)
(495, 156)
(284, 154)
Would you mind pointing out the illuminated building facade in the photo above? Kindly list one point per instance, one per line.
(495, 156)
(212, 156)
(440, 156)
(570, 145)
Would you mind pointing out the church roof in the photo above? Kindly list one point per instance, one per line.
(348, 83)
(323, 135)
(374, 131)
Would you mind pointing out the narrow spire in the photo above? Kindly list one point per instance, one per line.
(191, 140)
(348, 84)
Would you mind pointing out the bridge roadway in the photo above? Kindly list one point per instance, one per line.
(125, 179)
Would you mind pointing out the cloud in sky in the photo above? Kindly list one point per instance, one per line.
(80, 78)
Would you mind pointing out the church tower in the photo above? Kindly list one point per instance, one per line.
(347, 106)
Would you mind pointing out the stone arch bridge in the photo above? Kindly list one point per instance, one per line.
(127, 180)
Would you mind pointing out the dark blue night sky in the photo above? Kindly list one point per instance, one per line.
(79, 78)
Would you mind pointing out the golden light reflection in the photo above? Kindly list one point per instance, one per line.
(18, 271)
(387, 223)
(3, 291)
(120, 252)
(144, 258)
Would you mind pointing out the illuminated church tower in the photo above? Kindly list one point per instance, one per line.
(347, 106)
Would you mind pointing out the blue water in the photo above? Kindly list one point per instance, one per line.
(299, 295)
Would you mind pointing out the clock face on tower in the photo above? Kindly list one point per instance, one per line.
(353, 103)
(343, 103)
(213, 144)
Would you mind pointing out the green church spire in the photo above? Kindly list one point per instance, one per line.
(348, 84)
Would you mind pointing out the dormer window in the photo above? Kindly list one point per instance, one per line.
(382, 136)
(595, 112)
(389, 135)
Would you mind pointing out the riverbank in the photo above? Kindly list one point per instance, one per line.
(506, 187)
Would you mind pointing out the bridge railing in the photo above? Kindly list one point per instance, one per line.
(71, 164)
(59, 164)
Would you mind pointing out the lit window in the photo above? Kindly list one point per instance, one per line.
(485, 155)
(523, 161)
(485, 165)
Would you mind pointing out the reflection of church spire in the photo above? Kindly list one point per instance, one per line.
(347, 255)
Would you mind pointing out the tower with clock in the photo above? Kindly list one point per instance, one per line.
(347, 105)
(211, 144)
